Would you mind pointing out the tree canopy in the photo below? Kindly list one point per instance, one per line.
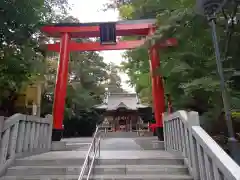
(189, 69)
(24, 60)
(19, 43)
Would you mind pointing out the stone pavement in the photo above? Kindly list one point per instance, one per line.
(104, 155)
(117, 144)
(111, 148)
(78, 140)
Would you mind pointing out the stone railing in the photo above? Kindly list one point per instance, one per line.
(22, 135)
(205, 159)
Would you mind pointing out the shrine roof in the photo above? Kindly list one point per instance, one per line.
(114, 101)
(86, 30)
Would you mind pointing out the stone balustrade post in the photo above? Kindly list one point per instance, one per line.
(193, 120)
(49, 131)
(1, 139)
(1, 126)
(13, 140)
(21, 136)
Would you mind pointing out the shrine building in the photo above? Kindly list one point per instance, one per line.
(122, 112)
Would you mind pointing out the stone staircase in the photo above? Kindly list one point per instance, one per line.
(188, 153)
(168, 169)
(164, 168)
(131, 163)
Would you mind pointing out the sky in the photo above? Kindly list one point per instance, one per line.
(91, 11)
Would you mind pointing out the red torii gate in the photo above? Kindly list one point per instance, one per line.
(67, 31)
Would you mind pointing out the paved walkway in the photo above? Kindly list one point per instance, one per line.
(111, 148)
(118, 144)
(113, 144)
(78, 140)
(57, 155)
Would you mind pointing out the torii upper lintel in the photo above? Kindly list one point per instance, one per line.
(88, 30)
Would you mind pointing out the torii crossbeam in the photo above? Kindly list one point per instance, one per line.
(68, 31)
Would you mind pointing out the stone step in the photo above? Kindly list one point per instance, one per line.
(73, 162)
(49, 162)
(156, 161)
(71, 146)
(143, 144)
(99, 170)
(150, 144)
(77, 140)
(101, 177)
(77, 146)
(120, 135)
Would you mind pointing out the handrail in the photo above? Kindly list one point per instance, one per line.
(93, 159)
(93, 148)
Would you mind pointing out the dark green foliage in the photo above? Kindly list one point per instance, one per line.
(190, 68)
(23, 60)
(82, 124)
(20, 58)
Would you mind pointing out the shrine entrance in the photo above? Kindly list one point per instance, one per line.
(124, 121)
(108, 33)
(123, 125)
(121, 112)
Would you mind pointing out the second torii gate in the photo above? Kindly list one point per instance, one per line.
(108, 41)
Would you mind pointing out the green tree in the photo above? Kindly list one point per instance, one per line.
(189, 69)
(114, 82)
(20, 57)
